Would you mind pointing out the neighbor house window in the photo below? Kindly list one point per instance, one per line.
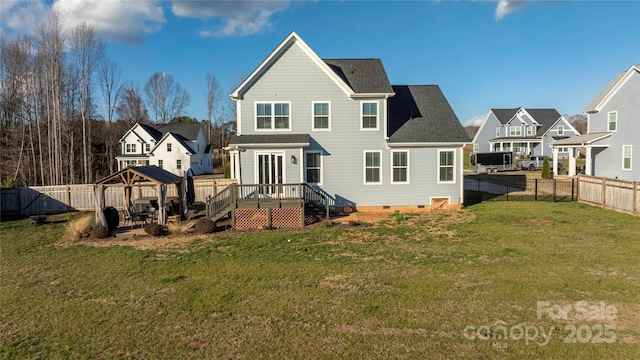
(476, 147)
(560, 129)
(613, 121)
(160, 162)
(369, 115)
(399, 166)
(497, 131)
(626, 157)
(372, 167)
(515, 130)
(131, 148)
(313, 165)
(178, 164)
(147, 147)
(168, 147)
(321, 116)
(446, 166)
(529, 130)
(271, 116)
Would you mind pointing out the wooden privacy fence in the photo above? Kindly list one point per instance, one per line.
(611, 194)
(55, 199)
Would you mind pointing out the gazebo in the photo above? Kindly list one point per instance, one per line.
(140, 176)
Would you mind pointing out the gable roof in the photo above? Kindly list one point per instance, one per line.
(362, 75)
(596, 104)
(181, 140)
(155, 134)
(341, 71)
(546, 118)
(421, 114)
(188, 132)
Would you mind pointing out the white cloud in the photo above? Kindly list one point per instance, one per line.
(474, 121)
(506, 7)
(22, 16)
(238, 18)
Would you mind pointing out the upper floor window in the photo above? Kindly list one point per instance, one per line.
(372, 167)
(147, 147)
(178, 164)
(160, 163)
(168, 147)
(131, 148)
(399, 166)
(515, 131)
(498, 131)
(271, 116)
(560, 129)
(529, 130)
(476, 147)
(626, 157)
(612, 120)
(446, 166)
(321, 116)
(313, 165)
(369, 115)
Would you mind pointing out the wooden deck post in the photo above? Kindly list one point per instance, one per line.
(604, 193)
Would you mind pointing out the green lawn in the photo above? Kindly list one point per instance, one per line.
(415, 286)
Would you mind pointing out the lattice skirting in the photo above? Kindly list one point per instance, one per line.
(289, 217)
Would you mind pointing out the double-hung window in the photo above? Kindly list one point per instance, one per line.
(160, 163)
(270, 116)
(446, 166)
(515, 130)
(168, 147)
(178, 164)
(498, 131)
(369, 116)
(131, 148)
(529, 130)
(560, 129)
(612, 121)
(399, 167)
(321, 116)
(626, 157)
(147, 147)
(313, 165)
(372, 167)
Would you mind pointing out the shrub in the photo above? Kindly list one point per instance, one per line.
(112, 216)
(78, 228)
(204, 226)
(153, 229)
(180, 228)
(99, 231)
(398, 217)
(546, 169)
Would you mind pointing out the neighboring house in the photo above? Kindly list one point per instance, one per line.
(339, 125)
(612, 141)
(173, 147)
(523, 131)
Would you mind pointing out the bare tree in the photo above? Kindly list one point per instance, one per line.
(166, 97)
(131, 108)
(109, 78)
(87, 51)
(213, 93)
(579, 122)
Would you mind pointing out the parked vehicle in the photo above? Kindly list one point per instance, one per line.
(492, 161)
(535, 163)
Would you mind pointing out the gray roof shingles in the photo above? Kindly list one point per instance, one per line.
(545, 117)
(421, 114)
(362, 75)
(269, 139)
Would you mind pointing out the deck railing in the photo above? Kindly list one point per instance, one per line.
(236, 195)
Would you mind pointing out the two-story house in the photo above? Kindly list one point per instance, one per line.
(612, 142)
(340, 126)
(173, 147)
(523, 131)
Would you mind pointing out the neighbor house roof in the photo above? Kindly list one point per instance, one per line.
(278, 139)
(582, 140)
(595, 103)
(545, 117)
(188, 131)
(362, 75)
(421, 114)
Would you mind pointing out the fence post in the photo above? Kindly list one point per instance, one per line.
(604, 193)
(554, 190)
(635, 197)
(19, 201)
(535, 196)
(68, 198)
(572, 188)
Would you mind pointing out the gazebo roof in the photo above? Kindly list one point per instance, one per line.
(137, 174)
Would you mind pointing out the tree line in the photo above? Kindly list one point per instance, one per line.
(53, 83)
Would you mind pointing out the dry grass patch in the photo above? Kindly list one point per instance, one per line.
(78, 229)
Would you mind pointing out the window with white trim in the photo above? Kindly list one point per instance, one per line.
(372, 167)
(131, 148)
(399, 166)
(160, 162)
(147, 147)
(446, 166)
(529, 130)
(612, 121)
(321, 115)
(476, 147)
(178, 164)
(270, 116)
(515, 130)
(168, 147)
(369, 115)
(313, 167)
(626, 157)
(560, 129)
(498, 131)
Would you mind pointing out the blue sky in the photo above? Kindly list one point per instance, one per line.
(483, 54)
